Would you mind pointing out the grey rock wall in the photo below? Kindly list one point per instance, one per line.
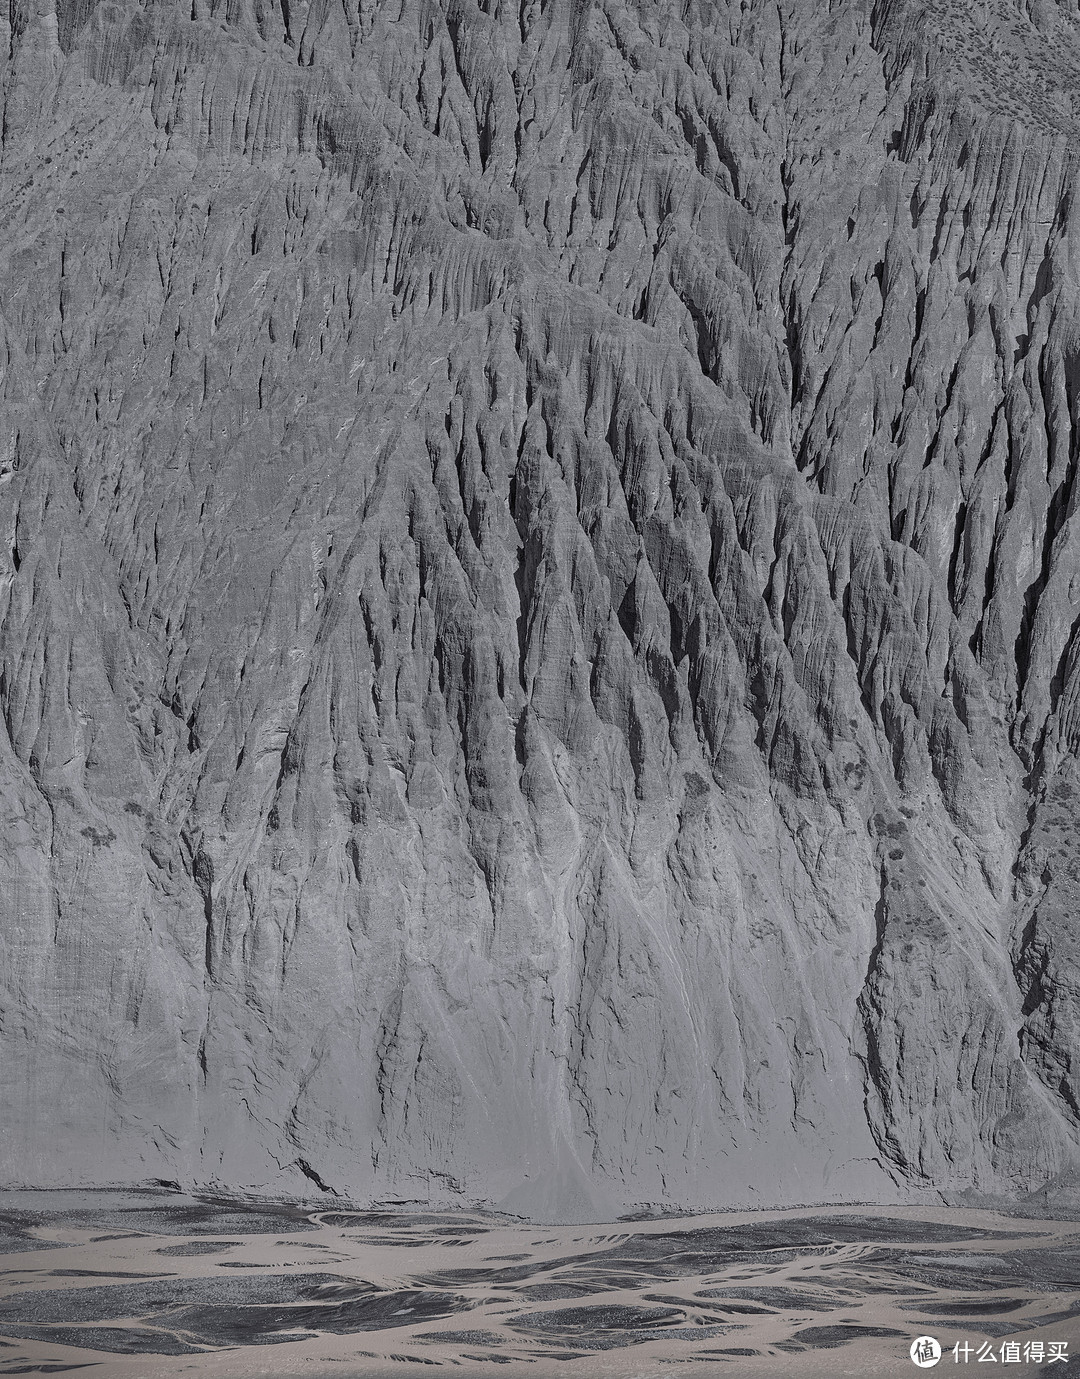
(541, 599)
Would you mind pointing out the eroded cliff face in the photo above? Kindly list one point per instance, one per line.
(541, 590)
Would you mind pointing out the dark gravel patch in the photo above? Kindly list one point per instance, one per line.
(463, 1337)
(610, 1317)
(198, 1247)
(166, 1216)
(250, 1310)
(783, 1299)
(117, 1340)
(824, 1337)
(1057, 1267)
(45, 1367)
(101, 1273)
(228, 1326)
(124, 1300)
(967, 1307)
(15, 1237)
(744, 1309)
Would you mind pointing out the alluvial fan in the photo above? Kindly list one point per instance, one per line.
(540, 617)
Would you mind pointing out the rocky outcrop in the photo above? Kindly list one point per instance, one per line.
(539, 635)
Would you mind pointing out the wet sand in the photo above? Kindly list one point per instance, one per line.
(157, 1286)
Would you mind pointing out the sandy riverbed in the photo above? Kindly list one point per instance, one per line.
(156, 1286)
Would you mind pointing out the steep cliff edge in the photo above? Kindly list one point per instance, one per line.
(541, 600)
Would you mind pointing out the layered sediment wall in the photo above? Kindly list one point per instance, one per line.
(539, 635)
